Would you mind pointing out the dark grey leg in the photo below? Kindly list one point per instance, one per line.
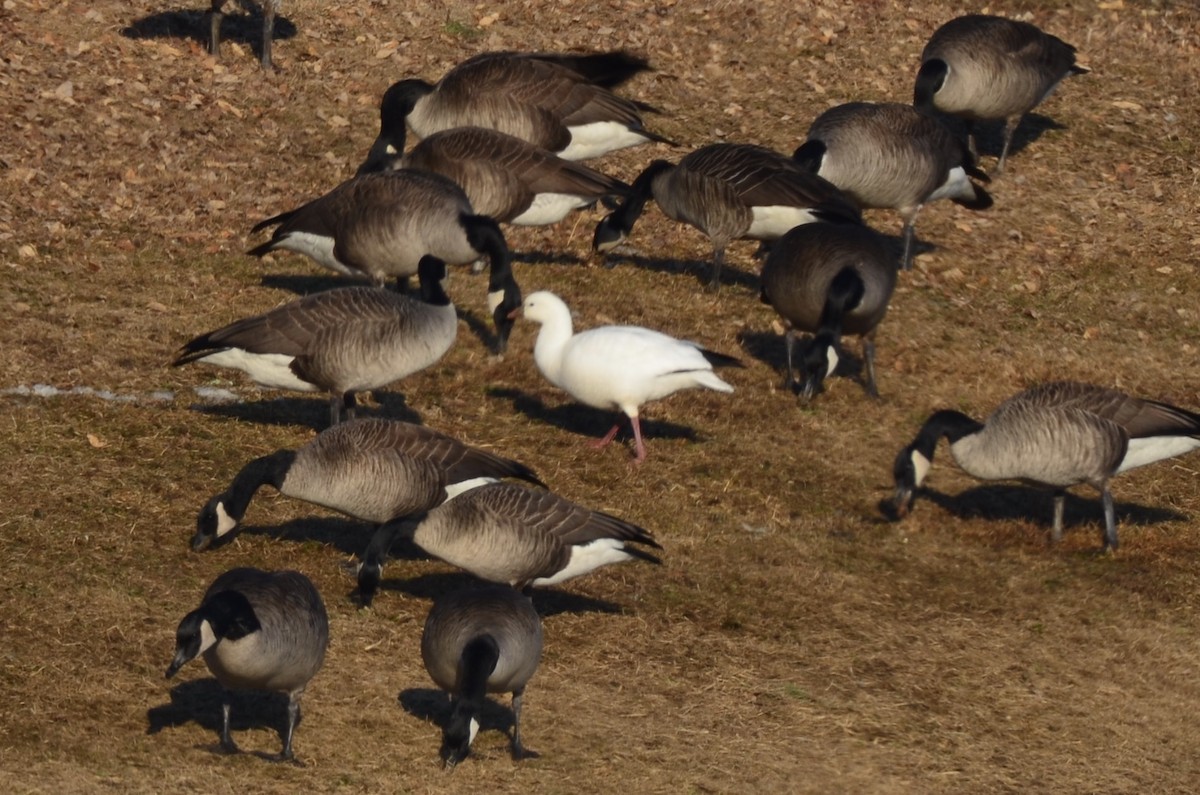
(268, 31)
(868, 346)
(1060, 501)
(518, 750)
(971, 141)
(789, 343)
(286, 754)
(906, 259)
(714, 283)
(1110, 520)
(349, 405)
(214, 28)
(227, 744)
(1010, 127)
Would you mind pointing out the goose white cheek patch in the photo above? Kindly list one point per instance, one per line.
(208, 638)
(474, 731)
(225, 522)
(494, 299)
(921, 466)
(833, 361)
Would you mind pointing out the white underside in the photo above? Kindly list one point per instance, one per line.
(1156, 448)
(956, 186)
(549, 208)
(586, 558)
(318, 248)
(271, 370)
(598, 138)
(772, 222)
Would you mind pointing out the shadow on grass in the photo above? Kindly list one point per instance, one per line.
(548, 602)
(701, 271)
(587, 421)
(199, 701)
(193, 24)
(989, 135)
(546, 258)
(1036, 506)
(433, 706)
(312, 412)
(770, 349)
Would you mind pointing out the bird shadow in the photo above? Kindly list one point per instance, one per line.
(193, 24)
(199, 701)
(585, 420)
(989, 135)
(546, 258)
(309, 412)
(547, 602)
(701, 270)
(307, 284)
(1033, 505)
(433, 706)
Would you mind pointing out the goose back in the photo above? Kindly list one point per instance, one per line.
(995, 68)
(460, 617)
(798, 272)
(891, 156)
(509, 534)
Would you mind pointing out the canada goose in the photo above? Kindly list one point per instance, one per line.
(505, 533)
(257, 630)
(618, 367)
(379, 226)
(342, 341)
(728, 192)
(890, 155)
(540, 99)
(269, 9)
(483, 640)
(829, 280)
(504, 177)
(981, 67)
(375, 470)
(1055, 435)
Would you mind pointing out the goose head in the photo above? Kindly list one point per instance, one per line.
(213, 523)
(387, 153)
(227, 614)
(545, 307)
(930, 79)
(908, 471)
(458, 734)
(818, 362)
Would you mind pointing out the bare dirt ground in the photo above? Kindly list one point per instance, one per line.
(793, 640)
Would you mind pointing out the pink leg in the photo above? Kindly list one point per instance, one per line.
(603, 442)
(638, 446)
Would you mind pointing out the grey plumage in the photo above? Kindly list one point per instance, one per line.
(729, 192)
(341, 341)
(504, 177)
(1055, 435)
(505, 533)
(981, 67)
(484, 640)
(379, 225)
(268, 8)
(829, 280)
(257, 630)
(886, 155)
(550, 101)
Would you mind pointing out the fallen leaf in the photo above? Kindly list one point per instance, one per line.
(96, 441)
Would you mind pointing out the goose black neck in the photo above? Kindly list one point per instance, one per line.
(478, 661)
(231, 615)
(930, 78)
(954, 425)
(430, 273)
(642, 189)
(484, 235)
(845, 293)
(269, 470)
(809, 155)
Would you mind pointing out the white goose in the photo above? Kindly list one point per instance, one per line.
(618, 367)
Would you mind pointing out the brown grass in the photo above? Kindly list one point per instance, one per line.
(793, 640)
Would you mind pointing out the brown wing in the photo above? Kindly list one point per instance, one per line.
(763, 178)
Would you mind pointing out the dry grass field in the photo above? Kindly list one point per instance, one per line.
(794, 640)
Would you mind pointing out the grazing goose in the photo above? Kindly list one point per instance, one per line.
(505, 533)
(269, 9)
(504, 177)
(483, 640)
(618, 367)
(375, 470)
(890, 156)
(829, 280)
(545, 100)
(1055, 435)
(728, 192)
(257, 630)
(981, 67)
(379, 226)
(341, 341)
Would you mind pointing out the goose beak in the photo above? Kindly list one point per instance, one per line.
(516, 313)
(201, 541)
(902, 501)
